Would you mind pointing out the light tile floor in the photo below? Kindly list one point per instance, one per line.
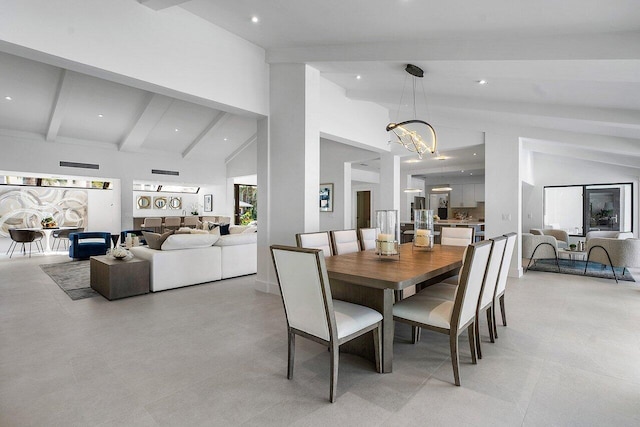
(215, 354)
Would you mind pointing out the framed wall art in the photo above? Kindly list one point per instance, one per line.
(208, 203)
(326, 197)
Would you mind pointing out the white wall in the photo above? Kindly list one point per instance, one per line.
(357, 123)
(172, 52)
(244, 163)
(32, 154)
(555, 170)
(333, 156)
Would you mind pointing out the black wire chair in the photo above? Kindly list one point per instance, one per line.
(23, 237)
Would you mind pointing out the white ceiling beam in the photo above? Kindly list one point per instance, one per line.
(156, 107)
(599, 156)
(576, 140)
(59, 108)
(215, 124)
(242, 147)
(621, 45)
(161, 4)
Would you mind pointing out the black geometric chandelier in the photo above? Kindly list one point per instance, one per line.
(410, 133)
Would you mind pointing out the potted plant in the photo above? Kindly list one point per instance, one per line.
(572, 246)
(48, 222)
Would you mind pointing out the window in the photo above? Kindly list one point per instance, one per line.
(246, 203)
(579, 209)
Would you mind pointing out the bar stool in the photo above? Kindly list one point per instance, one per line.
(155, 223)
(190, 221)
(171, 222)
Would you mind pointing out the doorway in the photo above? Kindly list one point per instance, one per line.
(363, 209)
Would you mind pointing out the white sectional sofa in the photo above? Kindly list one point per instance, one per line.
(189, 259)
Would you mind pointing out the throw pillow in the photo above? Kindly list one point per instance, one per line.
(215, 231)
(155, 240)
(194, 231)
(224, 229)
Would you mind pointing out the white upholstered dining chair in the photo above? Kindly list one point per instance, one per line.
(344, 241)
(319, 240)
(313, 314)
(368, 238)
(446, 316)
(501, 286)
(448, 291)
(456, 236)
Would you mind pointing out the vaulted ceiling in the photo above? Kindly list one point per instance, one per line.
(565, 76)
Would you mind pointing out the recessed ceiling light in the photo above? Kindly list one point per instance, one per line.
(101, 115)
(470, 173)
(475, 154)
(358, 77)
(482, 82)
(461, 171)
(225, 139)
(255, 19)
(177, 130)
(8, 98)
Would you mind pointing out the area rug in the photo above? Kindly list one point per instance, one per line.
(72, 277)
(577, 267)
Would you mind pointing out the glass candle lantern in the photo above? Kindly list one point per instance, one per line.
(387, 241)
(423, 229)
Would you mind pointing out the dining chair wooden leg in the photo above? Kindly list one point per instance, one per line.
(335, 355)
(490, 322)
(415, 334)
(472, 342)
(476, 336)
(292, 352)
(453, 343)
(377, 347)
(504, 315)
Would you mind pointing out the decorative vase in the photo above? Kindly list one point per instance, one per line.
(423, 229)
(387, 241)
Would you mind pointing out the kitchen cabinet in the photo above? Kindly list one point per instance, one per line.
(479, 192)
(463, 196)
(455, 196)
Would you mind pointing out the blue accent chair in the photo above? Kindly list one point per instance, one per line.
(123, 235)
(79, 249)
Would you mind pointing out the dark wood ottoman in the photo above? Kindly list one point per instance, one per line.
(114, 278)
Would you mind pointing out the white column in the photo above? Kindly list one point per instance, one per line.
(347, 202)
(503, 190)
(389, 197)
(288, 164)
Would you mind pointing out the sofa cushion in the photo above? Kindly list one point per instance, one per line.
(237, 239)
(250, 229)
(188, 241)
(155, 240)
(194, 231)
(237, 229)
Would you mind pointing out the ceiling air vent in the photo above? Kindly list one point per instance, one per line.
(80, 165)
(163, 172)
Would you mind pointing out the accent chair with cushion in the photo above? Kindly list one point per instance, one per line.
(609, 235)
(313, 314)
(623, 253)
(89, 243)
(538, 246)
(561, 236)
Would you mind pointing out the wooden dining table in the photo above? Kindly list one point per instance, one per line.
(366, 278)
